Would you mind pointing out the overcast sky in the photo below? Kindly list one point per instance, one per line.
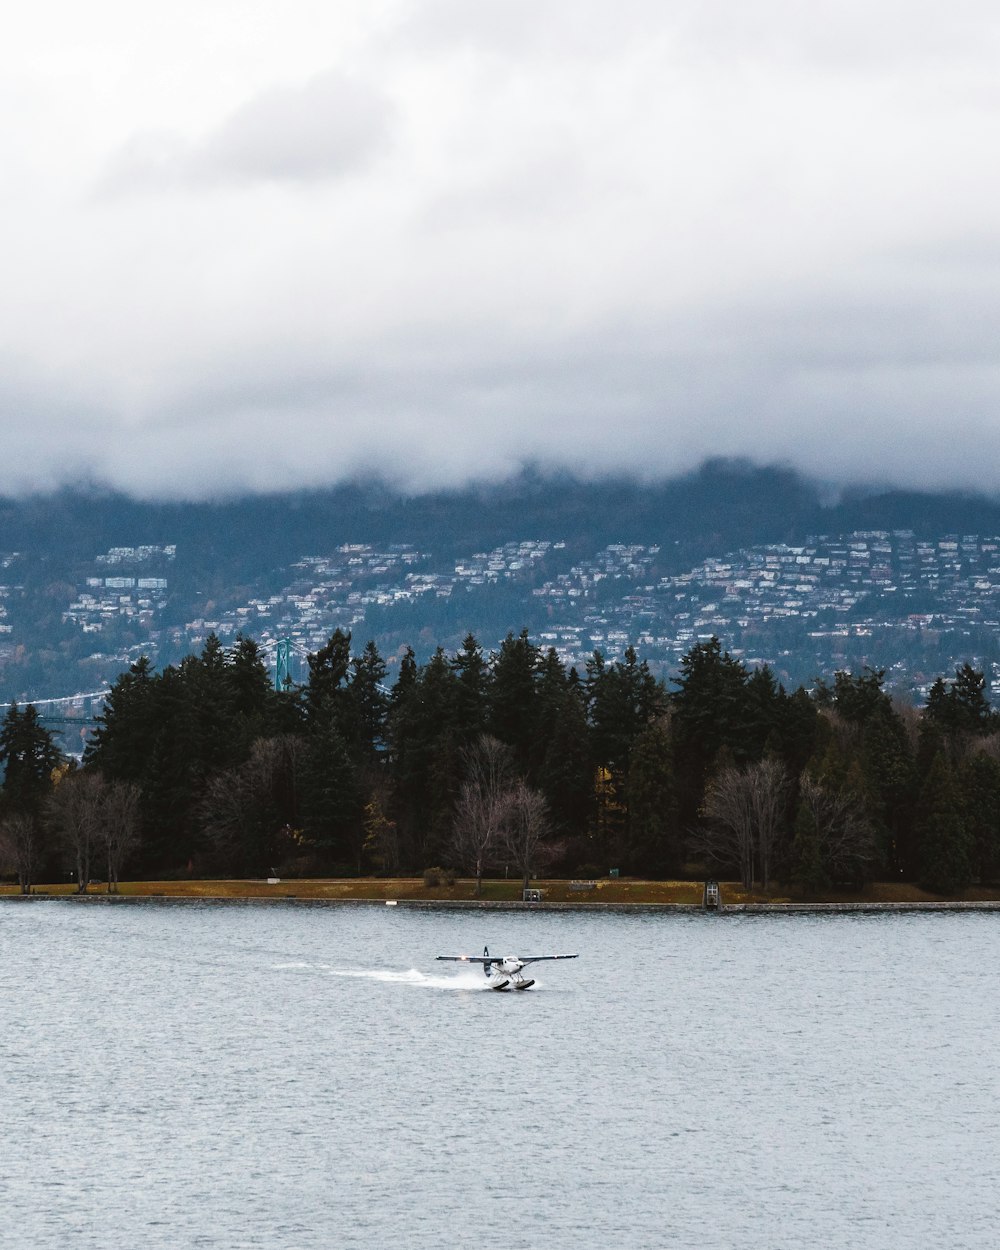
(256, 245)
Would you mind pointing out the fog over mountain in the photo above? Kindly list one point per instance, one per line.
(252, 247)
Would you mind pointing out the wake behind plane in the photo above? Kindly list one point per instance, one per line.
(503, 971)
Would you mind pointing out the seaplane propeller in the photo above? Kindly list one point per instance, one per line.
(504, 971)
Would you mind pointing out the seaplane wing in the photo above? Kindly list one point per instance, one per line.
(473, 959)
(503, 971)
(498, 959)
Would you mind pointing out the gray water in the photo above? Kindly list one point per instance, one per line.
(286, 1077)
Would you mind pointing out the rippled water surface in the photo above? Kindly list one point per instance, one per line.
(299, 1077)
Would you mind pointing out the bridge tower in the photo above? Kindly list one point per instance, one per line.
(283, 665)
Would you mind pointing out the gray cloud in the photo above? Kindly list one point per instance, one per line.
(470, 235)
(327, 128)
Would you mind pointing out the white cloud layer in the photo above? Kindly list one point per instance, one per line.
(248, 245)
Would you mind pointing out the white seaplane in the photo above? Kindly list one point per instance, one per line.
(503, 971)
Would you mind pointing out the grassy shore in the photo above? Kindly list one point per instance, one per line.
(608, 891)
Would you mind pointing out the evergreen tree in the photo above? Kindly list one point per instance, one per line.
(979, 788)
(369, 704)
(962, 706)
(127, 726)
(258, 710)
(807, 864)
(561, 748)
(623, 699)
(943, 839)
(472, 683)
(29, 758)
(424, 751)
(406, 758)
(890, 777)
(799, 728)
(709, 713)
(654, 842)
(763, 697)
(857, 696)
(326, 698)
(512, 708)
(331, 800)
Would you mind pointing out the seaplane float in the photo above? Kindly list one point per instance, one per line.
(504, 971)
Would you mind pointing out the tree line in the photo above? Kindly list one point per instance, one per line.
(508, 761)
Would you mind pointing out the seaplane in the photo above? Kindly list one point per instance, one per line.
(504, 971)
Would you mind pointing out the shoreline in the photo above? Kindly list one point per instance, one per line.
(728, 909)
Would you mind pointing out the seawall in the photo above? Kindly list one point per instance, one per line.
(182, 900)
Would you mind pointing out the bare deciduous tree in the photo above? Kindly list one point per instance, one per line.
(119, 826)
(769, 782)
(229, 807)
(844, 835)
(483, 805)
(524, 830)
(240, 806)
(20, 847)
(742, 814)
(74, 812)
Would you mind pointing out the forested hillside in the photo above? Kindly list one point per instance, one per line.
(90, 581)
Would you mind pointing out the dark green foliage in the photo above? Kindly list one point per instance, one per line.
(331, 799)
(763, 700)
(855, 696)
(961, 706)
(29, 756)
(710, 712)
(890, 775)
(798, 729)
(423, 750)
(562, 748)
(944, 842)
(512, 703)
(808, 866)
(623, 699)
(979, 787)
(326, 698)
(170, 732)
(654, 842)
(472, 689)
(368, 705)
(127, 726)
(343, 775)
(833, 841)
